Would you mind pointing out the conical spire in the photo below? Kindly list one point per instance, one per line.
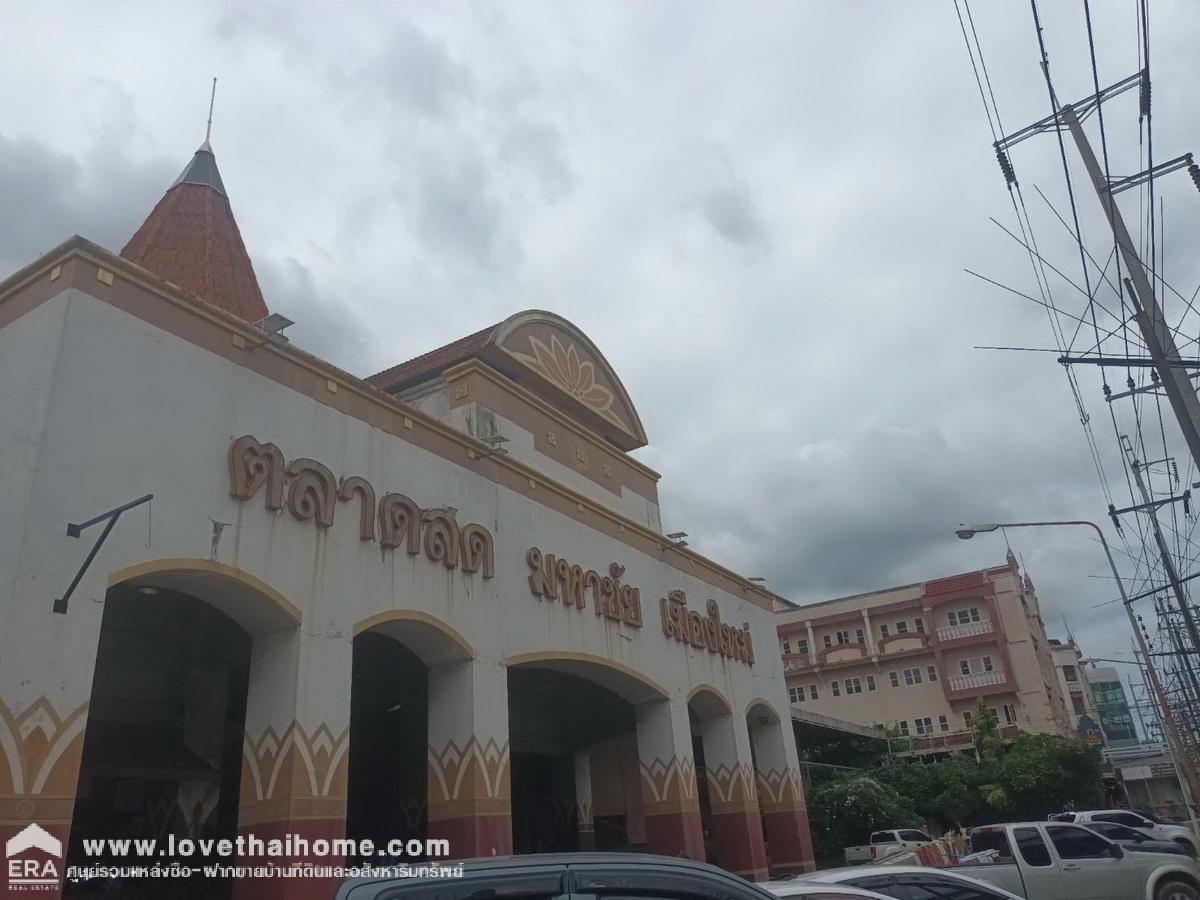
(192, 240)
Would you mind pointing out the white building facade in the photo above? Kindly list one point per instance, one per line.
(326, 569)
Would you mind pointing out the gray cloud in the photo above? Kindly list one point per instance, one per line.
(760, 218)
(48, 196)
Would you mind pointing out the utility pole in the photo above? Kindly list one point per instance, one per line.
(1165, 553)
(1155, 331)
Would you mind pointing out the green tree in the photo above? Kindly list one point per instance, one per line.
(844, 810)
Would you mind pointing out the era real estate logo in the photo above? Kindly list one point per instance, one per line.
(31, 859)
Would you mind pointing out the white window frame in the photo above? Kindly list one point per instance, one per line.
(902, 627)
(894, 677)
(843, 638)
(813, 694)
(903, 726)
(883, 629)
(944, 723)
(835, 688)
(871, 683)
(919, 625)
(924, 725)
(931, 671)
(853, 685)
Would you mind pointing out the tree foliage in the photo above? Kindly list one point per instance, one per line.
(1027, 778)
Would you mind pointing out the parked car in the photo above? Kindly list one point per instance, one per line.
(557, 876)
(1062, 861)
(902, 883)
(885, 843)
(1153, 828)
(1132, 839)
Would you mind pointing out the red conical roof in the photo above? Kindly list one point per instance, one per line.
(192, 240)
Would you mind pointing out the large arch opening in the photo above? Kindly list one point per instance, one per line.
(574, 758)
(393, 656)
(162, 750)
(709, 716)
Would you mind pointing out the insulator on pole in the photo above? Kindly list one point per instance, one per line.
(1194, 171)
(1144, 94)
(1005, 166)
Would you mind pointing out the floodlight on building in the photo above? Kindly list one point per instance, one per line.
(676, 539)
(273, 327)
(495, 446)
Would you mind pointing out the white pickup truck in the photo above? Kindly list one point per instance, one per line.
(1063, 861)
(885, 843)
(1152, 828)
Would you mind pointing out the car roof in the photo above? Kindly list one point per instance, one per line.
(485, 864)
(837, 876)
(800, 887)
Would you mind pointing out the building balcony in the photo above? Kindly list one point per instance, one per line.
(1075, 687)
(982, 628)
(796, 662)
(976, 680)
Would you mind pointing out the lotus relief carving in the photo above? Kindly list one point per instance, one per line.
(312, 493)
(563, 365)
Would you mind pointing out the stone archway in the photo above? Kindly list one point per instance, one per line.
(397, 655)
(573, 727)
(164, 745)
(780, 790)
(725, 776)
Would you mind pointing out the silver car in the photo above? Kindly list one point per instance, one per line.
(899, 882)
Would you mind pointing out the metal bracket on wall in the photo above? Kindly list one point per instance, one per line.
(75, 530)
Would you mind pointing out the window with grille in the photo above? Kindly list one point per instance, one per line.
(931, 671)
(964, 616)
(1010, 713)
(901, 628)
(870, 682)
(812, 692)
(853, 685)
(895, 678)
(859, 636)
(943, 723)
(903, 723)
(802, 646)
(787, 648)
(912, 676)
(924, 725)
(836, 688)
(828, 641)
(883, 631)
(843, 637)
(920, 625)
(796, 695)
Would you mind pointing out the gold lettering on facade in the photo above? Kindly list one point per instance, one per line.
(312, 494)
(553, 579)
(705, 632)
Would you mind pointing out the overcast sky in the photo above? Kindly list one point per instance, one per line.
(760, 213)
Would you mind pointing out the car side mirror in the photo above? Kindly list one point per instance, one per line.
(1116, 851)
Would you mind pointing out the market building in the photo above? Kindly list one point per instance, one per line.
(921, 659)
(434, 602)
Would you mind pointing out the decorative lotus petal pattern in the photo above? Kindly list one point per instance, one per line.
(563, 366)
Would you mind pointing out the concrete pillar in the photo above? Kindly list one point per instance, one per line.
(470, 799)
(583, 800)
(781, 796)
(670, 799)
(296, 754)
(729, 771)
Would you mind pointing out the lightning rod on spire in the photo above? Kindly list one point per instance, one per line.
(211, 101)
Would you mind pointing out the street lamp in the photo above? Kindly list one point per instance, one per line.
(1183, 766)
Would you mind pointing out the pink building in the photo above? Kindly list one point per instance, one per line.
(921, 659)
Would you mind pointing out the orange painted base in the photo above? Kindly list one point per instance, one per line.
(675, 834)
(470, 836)
(279, 888)
(789, 841)
(739, 840)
